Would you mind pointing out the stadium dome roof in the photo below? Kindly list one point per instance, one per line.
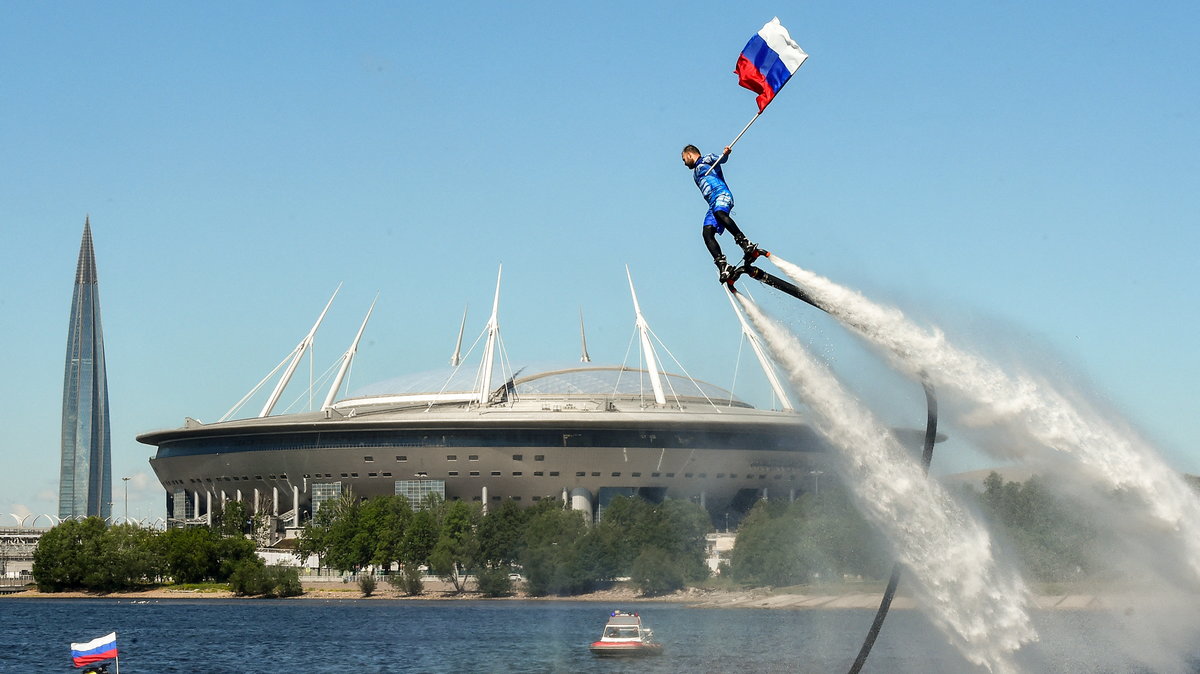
(550, 380)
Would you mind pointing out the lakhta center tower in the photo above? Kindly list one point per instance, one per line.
(85, 480)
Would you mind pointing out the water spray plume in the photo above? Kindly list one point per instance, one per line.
(1104, 450)
(978, 606)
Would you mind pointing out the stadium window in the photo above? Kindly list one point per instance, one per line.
(453, 473)
(473, 457)
(616, 474)
(387, 474)
(655, 474)
(539, 457)
(401, 457)
(353, 474)
(495, 473)
(345, 475)
(636, 474)
(518, 457)
(369, 459)
(670, 474)
(720, 475)
(452, 457)
(372, 474)
(596, 473)
(474, 473)
(538, 473)
(703, 476)
(283, 476)
(580, 473)
(516, 498)
(516, 473)
(554, 473)
(687, 474)
(537, 498)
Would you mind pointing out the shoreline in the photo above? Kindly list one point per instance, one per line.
(693, 597)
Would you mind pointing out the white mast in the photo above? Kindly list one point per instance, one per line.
(647, 348)
(297, 353)
(347, 358)
(763, 361)
(457, 358)
(489, 352)
(583, 357)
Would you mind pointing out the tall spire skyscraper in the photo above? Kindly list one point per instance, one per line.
(85, 480)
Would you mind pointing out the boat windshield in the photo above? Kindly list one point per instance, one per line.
(617, 632)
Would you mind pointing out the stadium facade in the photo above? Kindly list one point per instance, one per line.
(581, 432)
(85, 474)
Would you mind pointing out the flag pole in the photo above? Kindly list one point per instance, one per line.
(735, 140)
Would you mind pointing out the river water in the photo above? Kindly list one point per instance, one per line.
(247, 635)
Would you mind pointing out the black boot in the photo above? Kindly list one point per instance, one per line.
(724, 271)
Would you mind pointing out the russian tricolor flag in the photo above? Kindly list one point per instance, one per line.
(103, 648)
(767, 61)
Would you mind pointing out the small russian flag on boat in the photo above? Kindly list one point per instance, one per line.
(767, 61)
(102, 648)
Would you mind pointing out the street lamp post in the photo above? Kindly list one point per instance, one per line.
(816, 480)
(126, 481)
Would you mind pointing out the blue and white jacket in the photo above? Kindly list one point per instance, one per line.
(711, 185)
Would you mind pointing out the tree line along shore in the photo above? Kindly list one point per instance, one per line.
(637, 549)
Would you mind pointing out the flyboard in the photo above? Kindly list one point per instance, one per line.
(747, 268)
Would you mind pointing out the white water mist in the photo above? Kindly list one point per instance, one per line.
(1102, 448)
(951, 571)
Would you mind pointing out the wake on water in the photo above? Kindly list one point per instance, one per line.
(979, 607)
(1104, 451)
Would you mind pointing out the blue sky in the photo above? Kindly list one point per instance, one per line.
(1023, 174)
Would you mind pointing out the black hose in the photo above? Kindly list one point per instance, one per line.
(890, 591)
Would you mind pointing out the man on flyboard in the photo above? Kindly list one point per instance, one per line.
(706, 171)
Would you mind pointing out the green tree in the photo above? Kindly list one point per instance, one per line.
(385, 520)
(69, 555)
(408, 580)
(767, 551)
(197, 554)
(1052, 540)
(655, 572)
(338, 536)
(190, 554)
(500, 532)
(817, 537)
(131, 559)
(251, 576)
(457, 546)
(550, 557)
(494, 582)
(367, 584)
(632, 525)
(233, 519)
(419, 539)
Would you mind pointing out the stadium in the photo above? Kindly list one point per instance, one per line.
(583, 433)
